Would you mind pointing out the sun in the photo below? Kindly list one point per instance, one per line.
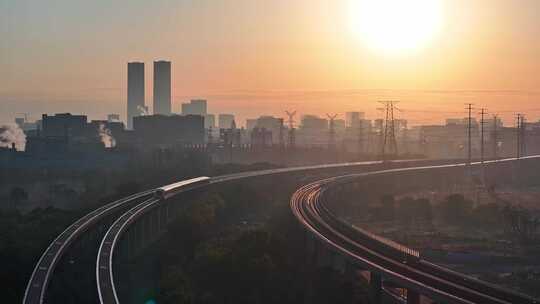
(396, 26)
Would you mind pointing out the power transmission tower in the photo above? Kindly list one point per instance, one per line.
(469, 133)
(290, 122)
(389, 144)
(482, 121)
(332, 131)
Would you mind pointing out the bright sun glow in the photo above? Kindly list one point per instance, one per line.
(396, 26)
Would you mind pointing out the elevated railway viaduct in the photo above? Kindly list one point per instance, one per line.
(144, 217)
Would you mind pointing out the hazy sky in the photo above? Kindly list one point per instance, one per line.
(255, 56)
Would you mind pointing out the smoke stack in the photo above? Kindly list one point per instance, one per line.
(13, 147)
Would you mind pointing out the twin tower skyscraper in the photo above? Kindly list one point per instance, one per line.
(135, 92)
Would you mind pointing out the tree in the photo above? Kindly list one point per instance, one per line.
(412, 210)
(405, 213)
(423, 210)
(388, 204)
(456, 208)
(128, 188)
(521, 223)
(17, 195)
(487, 215)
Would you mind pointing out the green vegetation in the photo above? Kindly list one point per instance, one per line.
(414, 210)
(25, 232)
(23, 238)
(209, 256)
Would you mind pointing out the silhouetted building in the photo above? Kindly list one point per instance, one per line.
(449, 140)
(352, 119)
(63, 124)
(162, 130)
(225, 121)
(135, 93)
(313, 131)
(271, 124)
(162, 87)
(261, 138)
(26, 125)
(339, 126)
(113, 118)
(209, 121)
(195, 107)
(63, 133)
(251, 124)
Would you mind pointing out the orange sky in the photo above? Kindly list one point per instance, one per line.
(257, 56)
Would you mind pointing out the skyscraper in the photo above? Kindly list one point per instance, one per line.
(135, 93)
(162, 87)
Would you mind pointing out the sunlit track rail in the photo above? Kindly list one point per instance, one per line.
(394, 262)
(104, 263)
(106, 290)
(37, 285)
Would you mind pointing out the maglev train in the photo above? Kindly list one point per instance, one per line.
(166, 192)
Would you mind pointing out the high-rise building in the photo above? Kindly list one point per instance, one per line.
(162, 87)
(135, 93)
(352, 119)
(272, 124)
(209, 121)
(225, 121)
(313, 131)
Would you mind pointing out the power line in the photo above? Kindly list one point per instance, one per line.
(482, 121)
(469, 132)
(495, 138)
(290, 121)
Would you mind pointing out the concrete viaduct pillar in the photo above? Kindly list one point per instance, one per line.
(375, 287)
(413, 297)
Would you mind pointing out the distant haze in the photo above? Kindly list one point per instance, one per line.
(252, 57)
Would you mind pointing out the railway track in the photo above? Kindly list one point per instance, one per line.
(393, 261)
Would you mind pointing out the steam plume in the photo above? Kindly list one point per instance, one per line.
(106, 136)
(142, 110)
(11, 133)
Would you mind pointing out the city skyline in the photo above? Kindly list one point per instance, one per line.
(270, 151)
(484, 54)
